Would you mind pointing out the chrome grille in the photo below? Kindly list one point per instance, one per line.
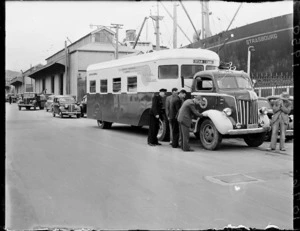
(248, 111)
(71, 108)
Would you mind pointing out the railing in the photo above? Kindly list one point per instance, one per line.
(266, 91)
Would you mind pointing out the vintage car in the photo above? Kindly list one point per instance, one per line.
(289, 134)
(65, 105)
(229, 107)
(49, 103)
(13, 97)
(31, 99)
(83, 105)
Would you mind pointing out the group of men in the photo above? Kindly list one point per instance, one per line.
(179, 113)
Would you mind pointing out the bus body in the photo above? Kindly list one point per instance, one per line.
(120, 91)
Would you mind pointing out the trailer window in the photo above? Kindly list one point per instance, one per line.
(93, 86)
(103, 85)
(117, 85)
(168, 72)
(188, 71)
(132, 84)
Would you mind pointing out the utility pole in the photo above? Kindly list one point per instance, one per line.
(66, 70)
(250, 49)
(175, 25)
(156, 19)
(117, 27)
(202, 19)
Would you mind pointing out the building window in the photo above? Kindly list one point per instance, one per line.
(92, 86)
(103, 85)
(117, 85)
(132, 84)
(168, 72)
(188, 71)
(52, 84)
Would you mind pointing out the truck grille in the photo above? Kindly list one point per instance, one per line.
(71, 108)
(248, 112)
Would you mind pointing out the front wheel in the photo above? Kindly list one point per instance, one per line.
(19, 108)
(255, 140)
(53, 114)
(104, 124)
(209, 135)
(78, 115)
(60, 114)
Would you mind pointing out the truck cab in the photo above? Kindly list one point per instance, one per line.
(229, 107)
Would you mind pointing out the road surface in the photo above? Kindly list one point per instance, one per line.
(68, 173)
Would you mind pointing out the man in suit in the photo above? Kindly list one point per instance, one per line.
(155, 114)
(176, 103)
(185, 114)
(168, 104)
(281, 108)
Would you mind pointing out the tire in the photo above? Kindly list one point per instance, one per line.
(197, 135)
(164, 130)
(82, 115)
(19, 108)
(60, 114)
(104, 124)
(27, 108)
(78, 115)
(46, 110)
(255, 140)
(53, 114)
(209, 135)
(34, 108)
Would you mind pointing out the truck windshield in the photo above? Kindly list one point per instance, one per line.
(234, 82)
(29, 95)
(67, 100)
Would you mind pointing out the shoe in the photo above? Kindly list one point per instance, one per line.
(151, 144)
(158, 144)
(170, 143)
(282, 149)
(270, 149)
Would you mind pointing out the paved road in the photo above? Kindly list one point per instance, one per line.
(68, 173)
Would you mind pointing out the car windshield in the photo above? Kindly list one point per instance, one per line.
(67, 100)
(29, 95)
(233, 82)
(263, 103)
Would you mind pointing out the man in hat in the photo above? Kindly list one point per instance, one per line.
(281, 108)
(185, 114)
(155, 114)
(168, 104)
(176, 103)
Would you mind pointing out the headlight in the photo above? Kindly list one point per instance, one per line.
(66, 106)
(227, 111)
(263, 110)
(238, 125)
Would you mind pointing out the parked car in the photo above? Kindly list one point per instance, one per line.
(31, 99)
(289, 134)
(49, 103)
(65, 105)
(83, 105)
(265, 107)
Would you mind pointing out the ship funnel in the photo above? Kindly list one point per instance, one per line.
(130, 35)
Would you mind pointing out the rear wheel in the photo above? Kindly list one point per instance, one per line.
(164, 131)
(255, 140)
(209, 135)
(78, 115)
(27, 108)
(19, 108)
(104, 124)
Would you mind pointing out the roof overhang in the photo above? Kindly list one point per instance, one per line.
(16, 81)
(48, 69)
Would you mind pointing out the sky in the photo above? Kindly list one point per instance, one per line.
(35, 30)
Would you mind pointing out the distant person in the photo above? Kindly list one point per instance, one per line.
(185, 114)
(176, 103)
(281, 108)
(10, 99)
(154, 114)
(168, 104)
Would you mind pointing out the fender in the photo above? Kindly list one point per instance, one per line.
(220, 120)
(265, 119)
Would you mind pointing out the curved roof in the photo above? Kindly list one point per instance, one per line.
(158, 55)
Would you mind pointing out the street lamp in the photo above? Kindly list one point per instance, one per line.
(250, 49)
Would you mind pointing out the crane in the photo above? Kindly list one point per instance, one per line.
(138, 36)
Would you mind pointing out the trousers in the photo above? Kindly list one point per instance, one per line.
(185, 136)
(153, 129)
(275, 127)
